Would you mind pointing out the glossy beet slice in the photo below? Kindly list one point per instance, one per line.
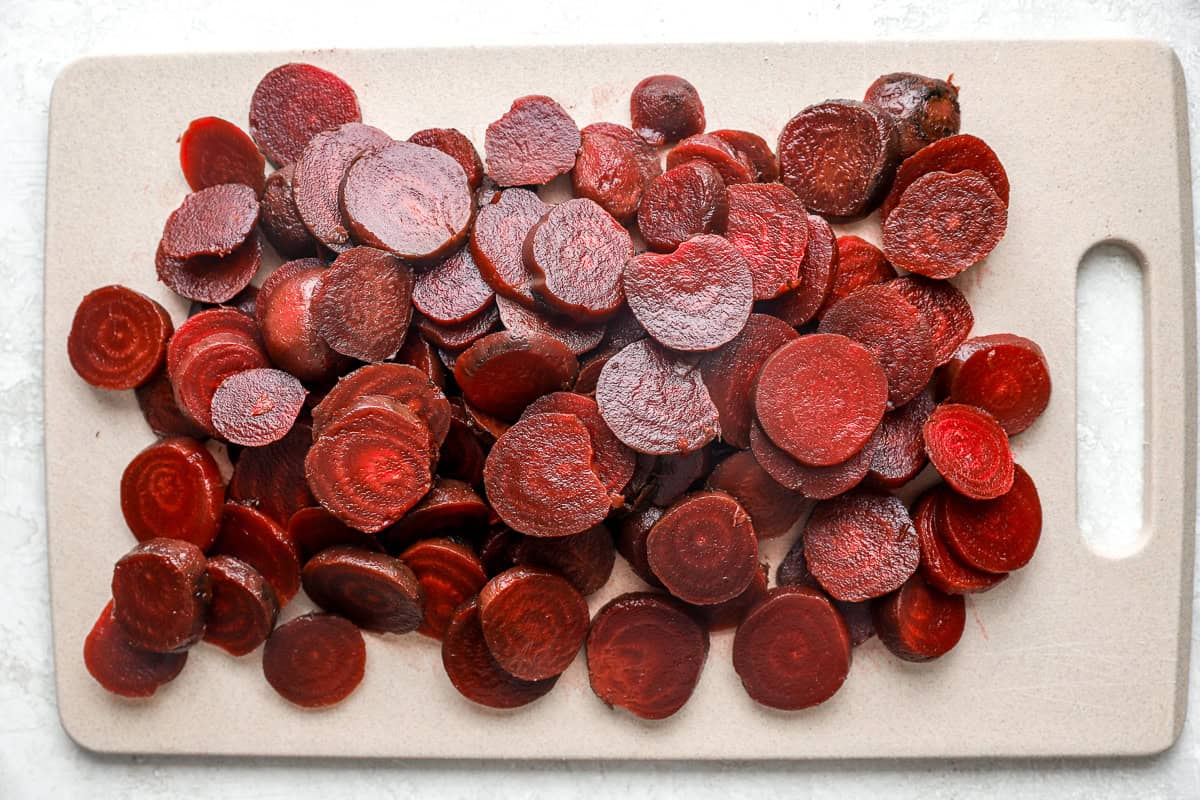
(917, 622)
(534, 622)
(210, 322)
(121, 667)
(522, 321)
(859, 264)
(819, 483)
(773, 509)
(206, 367)
(210, 279)
(609, 172)
(289, 325)
(294, 102)
(502, 373)
(722, 616)
(406, 385)
(257, 407)
(272, 477)
(475, 673)
(452, 292)
(364, 304)
(997, 535)
(613, 462)
(645, 654)
(861, 545)
(631, 541)
(319, 172)
(792, 650)
(925, 109)
(648, 159)
(374, 591)
(213, 151)
(118, 338)
(585, 559)
(941, 568)
(817, 273)
(251, 536)
(665, 109)
(314, 529)
(534, 142)
(704, 549)
(243, 609)
(769, 227)
(449, 574)
(211, 222)
(952, 154)
(683, 202)
(173, 488)
(733, 166)
(970, 450)
(156, 399)
(946, 310)
(161, 594)
(455, 144)
(452, 508)
(315, 660)
(498, 242)
(755, 149)
(674, 475)
(1005, 375)
(900, 451)
(280, 219)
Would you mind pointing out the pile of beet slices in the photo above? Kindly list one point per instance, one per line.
(456, 403)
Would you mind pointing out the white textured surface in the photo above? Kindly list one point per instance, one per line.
(36, 39)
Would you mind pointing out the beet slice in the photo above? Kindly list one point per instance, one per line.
(521, 321)
(475, 673)
(859, 264)
(861, 545)
(498, 242)
(941, 568)
(946, 310)
(280, 219)
(733, 166)
(773, 509)
(315, 660)
(722, 616)
(952, 154)
(160, 595)
(674, 475)
(645, 654)
(451, 508)
(156, 399)
(793, 571)
(257, 407)
(534, 622)
(925, 109)
(121, 667)
(839, 157)
(609, 172)
(462, 453)
(818, 483)
(818, 271)
(769, 227)
(453, 291)
(630, 391)
(755, 149)
(211, 222)
(407, 385)
(648, 159)
(317, 178)
(294, 102)
(631, 541)
(374, 591)
(585, 559)
(243, 609)
(118, 338)
(997, 535)
(665, 109)
(364, 304)
(574, 256)
(820, 398)
(173, 487)
(681, 203)
(917, 622)
(1005, 375)
(502, 373)
(534, 142)
(696, 298)
(729, 373)
(289, 326)
(206, 367)
(900, 452)
(210, 279)
(272, 477)
(455, 144)
(314, 529)
(703, 549)
(251, 536)
(417, 352)
(792, 650)
(449, 573)
(213, 151)
(970, 450)
(460, 336)
(613, 461)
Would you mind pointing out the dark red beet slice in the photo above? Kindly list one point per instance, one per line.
(792, 650)
(820, 398)
(859, 263)
(251, 536)
(1005, 375)
(502, 373)
(681, 203)
(316, 660)
(696, 298)
(160, 595)
(419, 353)
(861, 545)
(495, 549)
(721, 616)
(213, 151)
(952, 154)
(540, 477)
(729, 373)
(257, 407)
(645, 654)
(272, 477)
(243, 608)
(970, 450)
(674, 475)
(839, 157)
(857, 617)
(406, 385)
(769, 227)
(318, 175)
(533, 143)
(917, 622)
(534, 622)
(364, 304)
(733, 166)
(773, 509)
(455, 144)
(631, 392)
(452, 339)
(173, 488)
(521, 321)
(756, 151)
(925, 109)
(223, 323)
(941, 568)
(210, 279)
(289, 326)
(374, 591)
(156, 399)
(649, 161)
(462, 454)
(900, 452)
(453, 291)
(122, 668)
(205, 368)
(452, 508)
(609, 172)
(946, 310)
(819, 483)
(704, 549)
(211, 222)
(665, 109)
(294, 102)
(997, 535)
(118, 338)
(585, 559)
(475, 673)
(449, 574)
(631, 541)
(498, 241)
(314, 529)
(280, 219)
(574, 255)
(817, 274)
(613, 461)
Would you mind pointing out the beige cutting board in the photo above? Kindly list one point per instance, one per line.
(1074, 655)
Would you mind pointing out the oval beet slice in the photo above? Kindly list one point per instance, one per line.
(453, 291)
(970, 450)
(839, 157)
(900, 450)
(819, 483)
(213, 151)
(817, 274)
(502, 373)
(173, 488)
(455, 144)
(314, 529)
(645, 654)
(317, 178)
(211, 222)
(534, 622)
(294, 102)
(205, 368)
(251, 536)
(820, 398)
(364, 304)
(315, 660)
(704, 549)
(683, 202)
(631, 541)
(609, 172)
(574, 255)
(733, 166)
(280, 219)
(452, 508)
(475, 673)
(665, 109)
(272, 477)
(946, 310)
(449, 573)
(859, 263)
(498, 242)
(769, 227)
(405, 384)
(925, 109)
(289, 325)
(156, 399)
(521, 321)
(161, 594)
(374, 591)
(118, 338)
(773, 509)
(613, 461)
(1005, 375)
(453, 339)
(210, 279)
(533, 143)
(243, 608)
(861, 545)
(121, 667)
(585, 559)
(257, 407)
(997, 535)
(952, 154)
(917, 622)
(792, 650)
(755, 149)
(941, 568)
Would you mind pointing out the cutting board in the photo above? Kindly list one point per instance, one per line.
(1077, 654)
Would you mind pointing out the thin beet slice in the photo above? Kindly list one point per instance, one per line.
(613, 461)
(156, 399)
(946, 310)
(665, 109)
(374, 591)
(952, 154)
(925, 109)
(211, 222)
(502, 373)
(173, 488)
(585, 559)
(280, 219)
(161, 594)
(257, 407)
(817, 274)
(733, 166)
(970, 450)
(704, 549)
(674, 475)
(453, 291)
(1005, 375)
(294, 102)
(449, 574)
(589, 371)
(861, 545)
(243, 608)
(211, 322)
(609, 172)
(455, 144)
(941, 568)
(900, 452)
(722, 616)
(645, 654)
(213, 151)
(648, 159)
(756, 151)
(792, 650)
(475, 673)
(696, 298)
(917, 622)
(859, 263)
(997, 535)
(769, 227)
(630, 395)
(462, 455)
(534, 142)
(820, 398)
(452, 339)
(315, 660)
(773, 509)
(406, 385)
(118, 338)
(364, 304)
(540, 477)
(534, 622)
(681, 203)
(205, 368)
(419, 353)
(314, 529)
(121, 667)
(318, 175)
(210, 279)
(839, 157)
(818, 483)
(631, 541)
(289, 326)
(452, 508)
(272, 477)
(251, 536)
(498, 242)
(521, 321)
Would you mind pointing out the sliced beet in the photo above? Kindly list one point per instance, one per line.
(318, 176)
(1005, 375)
(609, 172)
(210, 279)
(498, 241)
(674, 475)
(364, 304)
(374, 591)
(118, 338)
(205, 368)
(756, 151)
(449, 574)
(156, 399)
(257, 407)
(473, 670)
(900, 452)
(213, 151)
(418, 352)
(574, 256)
(294, 102)
(120, 666)
(173, 488)
(289, 326)
(455, 144)
(997, 535)
(211, 222)
(631, 541)
(681, 203)
(792, 650)
(665, 109)
(502, 373)
(703, 549)
(859, 263)
(970, 450)
(769, 227)
(244, 301)
(721, 616)
(452, 339)
(314, 529)
(161, 594)
(222, 323)
(925, 109)
(243, 608)
(451, 508)
(917, 622)
(315, 660)
(462, 454)
(280, 219)
(585, 559)
(861, 545)
(818, 271)
(533, 143)
(534, 622)
(940, 566)
(613, 461)
(452, 292)
(272, 477)
(405, 384)
(773, 509)
(946, 310)
(648, 159)
(645, 654)
(952, 154)
(251, 536)
(733, 166)
(818, 483)
(521, 321)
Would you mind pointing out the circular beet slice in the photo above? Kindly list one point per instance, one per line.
(453, 291)
(243, 609)
(475, 673)
(118, 338)
(722, 616)
(294, 102)
(733, 166)
(672, 476)
(314, 529)
(452, 339)
(502, 373)
(818, 271)
(160, 595)
(318, 175)
(773, 509)
(1003, 374)
(462, 455)
(818, 483)
(498, 242)
(289, 326)
(574, 255)
(534, 622)
(925, 109)
(769, 227)
(704, 549)
(585, 559)
(941, 568)
(997, 535)
(315, 660)
(755, 149)
(374, 591)
(946, 310)
(213, 151)
(271, 478)
(696, 298)
(859, 263)
(900, 450)
(405, 384)
(205, 368)
(251, 536)
(645, 654)
(211, 222)
(121, 667)
(839, 157)
(533, 143)
(665, 109)
(521, 321)
(861, 545)
(156, 399)
(613, 461)
(820, 398)
(952, 154)
(204, 324)
(364, 304)
(173, 488)
(485, 426)
(609, 172)
(210, 279)
(917, 622)
(792, 650)
(257, 407)
(452, 508)
(648, 159)
(681, 203)
(631, 541)
(280, 219)
(449, 574)
(970, 450)
(455, 144)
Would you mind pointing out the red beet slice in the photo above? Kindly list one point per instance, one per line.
(575, 255)
(206, 367)
(475, 673)
(645, 654)
(585, 559)
(755, 149)
(498, 241)
(407, 385)
(294, 102)
(859, 263)
(819, 483)
(609, 172)
(280, 219)
(681, 203)
(257, 407)
(364, 304)
(589, 371)
(272, 477)
(817, 274)
(243, 608)
(665, 109)
(203, 325)
(997, 535)
(673, 476)
(314, 529)
(315, 660)
(453, 291)
(534, 622)
(941, 568)
(704, 549)
(118, 338)
(251, 536)
(773, 509)
(925, 109)
(462, 454)
(210, 279)
(449, 574)
(417, 352)
(917, 622)
(792, 650)
(533, 143)
(900, 452)
(946, 310)
(769, 227)
(455, 144)
(121, 667)
(318, 175)
(374, 591)
(452, 339)
(495, 549)
(733, 166)
(970, 450)
(289, 326)
(631, 541)
(649, 161)
(952, 154)
(861, 545)
(722, 616)
(156, 399)
(613, 461)
(213, 151)
(211, 222)
(452, 508)
(502, 373)
(521, 321)
(174, 488)
(160, 595)
(1003, 374)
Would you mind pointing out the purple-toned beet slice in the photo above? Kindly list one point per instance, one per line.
(533, 143)
(502, 373)
(498, 242)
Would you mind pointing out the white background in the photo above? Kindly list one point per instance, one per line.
(37, 37)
